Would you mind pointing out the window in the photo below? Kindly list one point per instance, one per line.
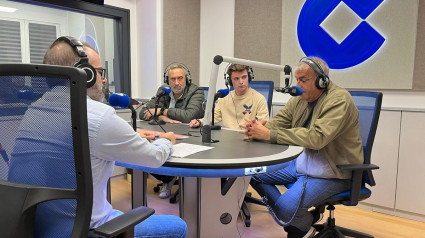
(40, 38)
(10, 42)
(26, 33)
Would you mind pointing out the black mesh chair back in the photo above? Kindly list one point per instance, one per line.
(45, 173)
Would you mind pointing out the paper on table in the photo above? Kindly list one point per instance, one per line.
(184, 149)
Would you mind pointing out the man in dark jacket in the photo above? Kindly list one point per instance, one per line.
(183, 104)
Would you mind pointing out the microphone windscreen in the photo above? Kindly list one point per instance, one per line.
(167, 90)
(25, 94)
(298, 91)
(224, 92)
(119, 100)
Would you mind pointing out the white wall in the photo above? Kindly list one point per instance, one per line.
(217, 36)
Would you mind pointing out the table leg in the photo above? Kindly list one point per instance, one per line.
(207, 212)
(138, 188)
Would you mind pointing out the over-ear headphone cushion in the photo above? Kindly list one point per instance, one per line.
(250, 74)
(83, 64)
(322, 82)
(90, 72)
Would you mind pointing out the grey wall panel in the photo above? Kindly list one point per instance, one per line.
(258, 32)
(419, 69)
(182, 34)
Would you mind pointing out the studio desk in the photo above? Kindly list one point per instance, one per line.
(212, 183)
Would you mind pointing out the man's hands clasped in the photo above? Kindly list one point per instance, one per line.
(255, 130)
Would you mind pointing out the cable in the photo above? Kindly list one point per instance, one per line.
(154, 118)
(264, 199)
(234, 105)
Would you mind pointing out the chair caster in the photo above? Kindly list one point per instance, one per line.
(156, 188)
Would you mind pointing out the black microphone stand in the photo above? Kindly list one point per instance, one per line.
(214, 127)
(133, 117)
(154, 120)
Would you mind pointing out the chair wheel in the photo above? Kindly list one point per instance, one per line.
(156, 189)
(173, 200)
(247, 223)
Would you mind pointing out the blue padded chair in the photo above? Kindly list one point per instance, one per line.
(46, 169)
(369, 106)
(265, 88)
(205, 92)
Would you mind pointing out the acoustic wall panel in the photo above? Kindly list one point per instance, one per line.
(182, 34)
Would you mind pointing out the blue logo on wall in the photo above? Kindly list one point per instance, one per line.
(357, 47)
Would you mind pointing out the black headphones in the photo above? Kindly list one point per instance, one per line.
(178, 65)
(83, 63)
(228, 80)
(322, 80)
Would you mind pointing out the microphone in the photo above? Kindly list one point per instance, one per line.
(4, 155)
(221, 93)
(27, 94)
(122, 100)
(287, 69)
(164, 92)
(119, 100)
(293, 91)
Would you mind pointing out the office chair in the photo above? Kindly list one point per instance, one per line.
(369, 106)
(205, 92)
(46, 168)
(266, 89)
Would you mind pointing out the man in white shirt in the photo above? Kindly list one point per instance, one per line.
(112, 138)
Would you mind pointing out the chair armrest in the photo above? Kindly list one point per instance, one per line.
(356, 180)
(124, 222)
(357, 166)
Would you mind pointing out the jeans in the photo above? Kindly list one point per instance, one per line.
(160, 226)
(310, 190)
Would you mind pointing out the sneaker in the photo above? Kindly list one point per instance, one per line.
(310, 233)
(166, 189)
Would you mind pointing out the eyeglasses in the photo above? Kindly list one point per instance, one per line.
(101, 72)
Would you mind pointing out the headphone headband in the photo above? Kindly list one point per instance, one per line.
(228, 80)
(83, 63)
(322, 80)
(179, 65)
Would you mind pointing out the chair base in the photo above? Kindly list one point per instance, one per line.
(329, 229)
(246, 215)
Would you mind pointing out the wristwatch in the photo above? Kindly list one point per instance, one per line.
(161, 112)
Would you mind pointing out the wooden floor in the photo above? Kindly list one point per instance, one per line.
(263, 226)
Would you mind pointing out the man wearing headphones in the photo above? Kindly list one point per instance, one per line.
(241, 103)
(324, 120)
(110, 137)
(183, 104)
